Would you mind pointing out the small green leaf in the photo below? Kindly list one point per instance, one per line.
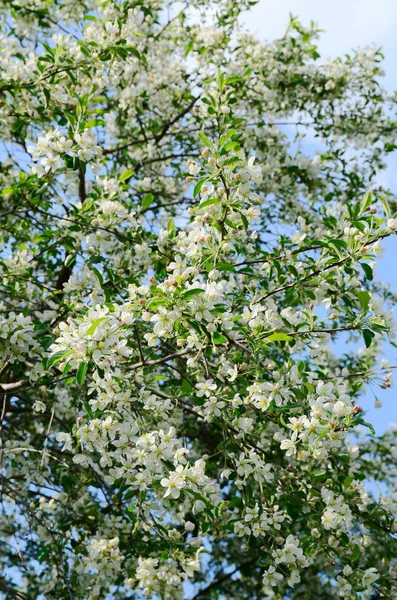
(94, 123)
(67, 368)
(198, 186)
(282, 420)
(279, 337)
(232, 146)
(245, 221)
(364, 298)
(133, 50)
(190, 293)
(225, 266)
(57, 358)
(366, 201)
(126, 175)
(338, 243)
(98, 275)
(368, 271)
(147, 200)
(356, 553)
(385, 203)
(94, 325)
(47, 97)
(205, 140)
(218, 338)
(322, 434)
(368, 337)
(360, 421)
(70, 259)
(230, 162)
(88, 409)
(208, 202)
(81, 373)
(226, 136)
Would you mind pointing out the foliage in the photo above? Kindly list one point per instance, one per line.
(176, 267)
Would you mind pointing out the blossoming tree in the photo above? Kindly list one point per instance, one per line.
(178, 271)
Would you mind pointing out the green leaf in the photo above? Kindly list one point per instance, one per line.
(67, 368)
(356, 553)
(279, 337)
(81, 373)
(368, 271)
(366, 201)
(368, 337)
(133, 50)
(208, 202)
(94, 325)
(198, 186)
(188, 48)
(88, 409)
(245, 221)
(47, 97)
(205, 140)
(360, 421)
(147, 200)
(225, 266)
(218, 338)
(230, 162)
(226, 136)
(69, 260)
(232, 146)
(46, 341)
(364, 298)
(338, 243)
(98, 274)
(282, 420)
(94, 123)
(385, 203)
(57, 358)
(126, 175)
(190, 293)
(322, 434)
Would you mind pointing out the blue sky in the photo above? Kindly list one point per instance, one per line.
(349, 24)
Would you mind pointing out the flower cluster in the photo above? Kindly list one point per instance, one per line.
(190, 308)
(17, 339)
(53, 146)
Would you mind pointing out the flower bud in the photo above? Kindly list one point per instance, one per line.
(392, 223)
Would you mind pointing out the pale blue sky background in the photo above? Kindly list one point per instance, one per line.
(349, 24)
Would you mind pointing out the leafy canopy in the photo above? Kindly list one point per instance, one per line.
(179, 270)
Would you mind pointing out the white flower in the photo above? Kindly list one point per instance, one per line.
(194, 168)
(370, 576)
(164, 321)
(254, 172)
(39, 406)
(330, 85)
(289, 446)
(205, 388)
(189, 526)
(392, 223)
(174, 483)
(272, 577)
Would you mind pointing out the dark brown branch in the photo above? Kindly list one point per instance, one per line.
(157, 138)
(218, 582)
(66, 271)
(11, 592)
